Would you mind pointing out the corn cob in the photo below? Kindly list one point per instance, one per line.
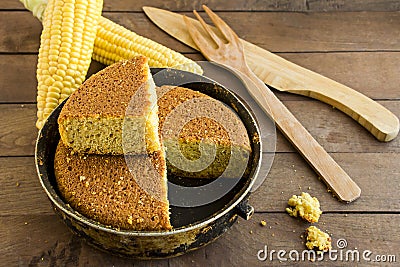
(114, 42)
(66, 46)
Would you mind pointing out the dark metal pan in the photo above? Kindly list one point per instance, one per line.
(194, 227)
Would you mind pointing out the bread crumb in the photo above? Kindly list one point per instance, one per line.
(305, 206)
(17, 184)
(316, 239)
(130, 219)
(263, 223)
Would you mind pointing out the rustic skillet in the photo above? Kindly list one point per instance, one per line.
(194, 227)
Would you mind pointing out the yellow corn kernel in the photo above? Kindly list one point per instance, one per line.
(65, 51)
(114, 42)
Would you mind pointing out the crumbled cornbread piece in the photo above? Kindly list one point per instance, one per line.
(318, 239)
(305, 206)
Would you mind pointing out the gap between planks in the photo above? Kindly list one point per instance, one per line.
(238, 5)
(376, 173)
(334, 130)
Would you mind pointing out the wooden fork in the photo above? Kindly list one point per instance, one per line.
(226, 49)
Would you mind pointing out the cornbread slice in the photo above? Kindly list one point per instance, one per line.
(316, 239)
(305, 206)
(113, 112)
(195, 128)
(103, 188)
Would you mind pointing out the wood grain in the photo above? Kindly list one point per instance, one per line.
(360, 231)
(238, 5)
(14, 88)
(358, 5)
(375, 173)
(18, 133)
(61, 248)
(338, 132)
(370, 73)
(286, 32)
(358, 48)
(21, 192)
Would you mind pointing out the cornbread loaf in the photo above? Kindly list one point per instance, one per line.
(103, 188)
(118, 103)
(195, 127)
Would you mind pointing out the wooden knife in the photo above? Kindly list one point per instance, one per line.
(284, 75)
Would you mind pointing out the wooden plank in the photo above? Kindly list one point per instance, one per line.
(237, 5)
(286, 32)
(265, 5)
(376, 173)
(358, 5)
(18, 78)
(364, 232)
(334, 130)
(337, 132)
(18, 132)
(35, 240)
(19, 32)
(11, 5)
(372, 73)
(21, 192)
(26, 240)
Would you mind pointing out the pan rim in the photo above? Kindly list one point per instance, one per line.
(69, 211)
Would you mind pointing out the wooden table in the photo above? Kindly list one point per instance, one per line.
(355, 43)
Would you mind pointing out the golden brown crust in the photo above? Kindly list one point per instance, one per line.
(102, 188)
(170, 97)
(101, 94)
(119, 98)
